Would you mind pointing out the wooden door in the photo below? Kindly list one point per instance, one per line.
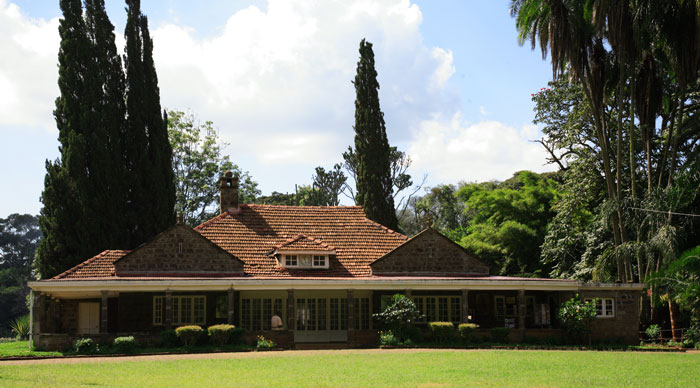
(88, 318)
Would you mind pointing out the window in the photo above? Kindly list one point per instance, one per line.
(319, 261)
(256, 313)
(604, 307)
(443, 315)
(304, 261)
(361, 311)
(186, 310)
(221, 307)
(290, 261)
(446, 309)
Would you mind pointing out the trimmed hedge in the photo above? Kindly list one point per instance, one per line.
(236, 336)
(443, 332)
(220, 334)
(84, 345)
(124, 344)
(500, 335)
(468, 332)
(189, 334)
(169, 339)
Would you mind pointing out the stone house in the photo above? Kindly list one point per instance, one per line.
(326, 270)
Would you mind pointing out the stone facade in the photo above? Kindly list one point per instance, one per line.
(624, 326)
(429, 254)
(179, 251)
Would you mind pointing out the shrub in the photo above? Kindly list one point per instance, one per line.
(189, 334)
(124, 344)
(529, 339)
(220, 334)
(688, 343)
(169, 339)
(653, 332)
(84, 345)
(387, 338)
(500, 335)
(443, 332)
(577, 317)
(263, 343)
(20, 327)
(236, 336)
(399, 316)
(467, 331)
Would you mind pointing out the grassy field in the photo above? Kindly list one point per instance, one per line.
(21, 349)
(376, 369)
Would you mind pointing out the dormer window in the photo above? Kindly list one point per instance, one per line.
(304, 261)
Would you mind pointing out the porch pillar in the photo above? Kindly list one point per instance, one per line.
(291, 317)
(168, 310)
(104, 312)
(231, 295)
(351, 311)
(465, 306)
(34, 317)
(521, 313)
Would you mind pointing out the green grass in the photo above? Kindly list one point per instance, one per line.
(377, 369)
(21, 349)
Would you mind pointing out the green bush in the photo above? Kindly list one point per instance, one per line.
(189, 334)
(237, 335)
(653, 332)
(20, 327)
(400, 317)
(500, 335)
(220, 334)
(467, 331)
(530, 339)
(387, 338)
(688, 343)
(263, 343)
(169, 339)
(577, 317)
(125, 344)
(85, 345)
(443, 332)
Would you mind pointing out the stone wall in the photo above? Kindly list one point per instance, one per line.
(179, 251)
(624, 326)
(429, 253)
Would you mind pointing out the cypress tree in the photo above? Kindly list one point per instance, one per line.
(373, 175)
(148, 153)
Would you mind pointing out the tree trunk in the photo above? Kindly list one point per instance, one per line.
(673, 315)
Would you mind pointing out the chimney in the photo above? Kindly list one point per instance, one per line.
(228, 187)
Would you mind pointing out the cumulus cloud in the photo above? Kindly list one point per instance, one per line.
(28, 70)
(452, 150)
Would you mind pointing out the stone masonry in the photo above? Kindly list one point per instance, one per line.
(429, 253)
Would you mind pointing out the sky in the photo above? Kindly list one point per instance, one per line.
(275, 78)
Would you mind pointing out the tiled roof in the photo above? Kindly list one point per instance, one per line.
(253, 232)
(302, 242)
(100, 266)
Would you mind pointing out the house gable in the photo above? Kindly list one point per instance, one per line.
(179, 251)
(429, 253)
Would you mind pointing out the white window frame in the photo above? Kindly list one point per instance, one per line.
(324, 258)
(604, 307)
(177, 318)
(288, 261)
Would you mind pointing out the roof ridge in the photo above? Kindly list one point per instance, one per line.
(211, 221)
(86, 262)
(251, 205)
(386, 229)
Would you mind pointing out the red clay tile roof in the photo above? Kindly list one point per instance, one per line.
(302, 242)
(100, 266)
(255, 231)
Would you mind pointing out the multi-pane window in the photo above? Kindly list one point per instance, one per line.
(322, 314)
(319, 261)
(604, 307)
(343, 314)
(439, 308)
(256, 313)
(290, 261)
(305, 261)
(302, 314)
(361, 311)
(335, 314)
(186, 310)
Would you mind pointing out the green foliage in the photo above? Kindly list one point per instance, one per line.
(443, 332)
(329, 184)
(373, 168)
(577, 316)
(500, 335)
(681, 280)
(387, 338)
(124, 344)
(189, 335)
(198, 163)
(220, 334)
(85, 345)
(20, 327)
(399, 316)
(236, 335)
(19, 236)
(169, 339)
(653, 332)
(468, 332)
(263, 343)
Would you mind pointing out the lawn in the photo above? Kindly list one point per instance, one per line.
(21, 349)
(377, 369)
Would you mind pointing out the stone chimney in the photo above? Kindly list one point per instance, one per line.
(228, 187)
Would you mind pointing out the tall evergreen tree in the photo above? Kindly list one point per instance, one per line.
(373, 179)
(148, 152)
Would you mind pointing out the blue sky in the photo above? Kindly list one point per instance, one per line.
(275, 79)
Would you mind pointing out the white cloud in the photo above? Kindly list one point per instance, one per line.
(451, 150)
(483, 111)
(28, 70)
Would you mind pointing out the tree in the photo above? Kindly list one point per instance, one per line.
(19, 235)
(329, 185)
(198, 164)
(148, 152)
(373, 169)
(399, 316)
(577, 317)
